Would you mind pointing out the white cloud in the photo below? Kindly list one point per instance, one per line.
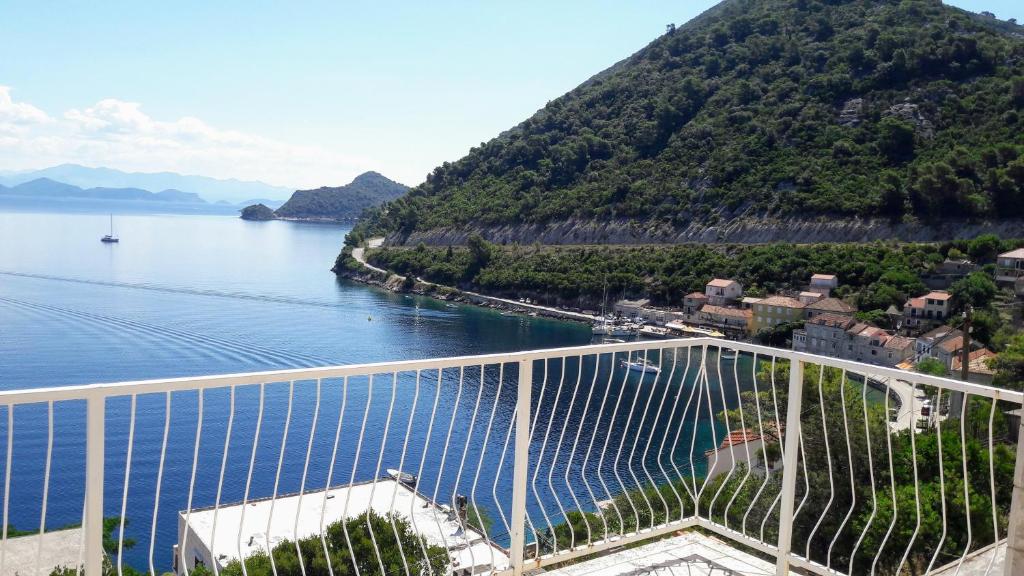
(119, 134)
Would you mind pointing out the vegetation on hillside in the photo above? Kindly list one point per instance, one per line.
(872, 276)
(346, 202)
(899, 109)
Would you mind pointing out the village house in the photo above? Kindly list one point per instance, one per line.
(733, 322)
(808, 297)
(1010, 266)
(742, 447)
(829, 306)
(722, 292)
(873, 345)
(823, 284)
(693, 302)
(979, 366)
(824, 334)
(775, 310)
(631, 308)
(945, 274)
(927, 311)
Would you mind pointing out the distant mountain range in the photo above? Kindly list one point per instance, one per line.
(232, 191)
(340, 203)
(46, 188)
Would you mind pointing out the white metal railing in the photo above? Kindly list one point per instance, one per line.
(520, 460)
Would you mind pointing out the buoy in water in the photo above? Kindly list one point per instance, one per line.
(369, 318)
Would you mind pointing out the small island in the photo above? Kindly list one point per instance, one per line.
(257, 212)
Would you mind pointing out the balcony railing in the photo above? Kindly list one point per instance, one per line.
(508, 462)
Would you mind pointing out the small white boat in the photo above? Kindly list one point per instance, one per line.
(729, 354)
(403, 477)
(110, 238)
(642, 366)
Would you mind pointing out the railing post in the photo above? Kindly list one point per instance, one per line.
(1014, 561)
(521, 463)
(790, 463)
(93, 527)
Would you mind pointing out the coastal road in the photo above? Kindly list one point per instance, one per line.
(360, 255)
(909, 397)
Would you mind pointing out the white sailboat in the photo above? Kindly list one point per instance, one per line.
(110, 238)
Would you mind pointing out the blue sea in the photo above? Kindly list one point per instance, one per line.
(195, 294)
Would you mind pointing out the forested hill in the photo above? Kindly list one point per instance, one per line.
(906, 116)
(346, 202)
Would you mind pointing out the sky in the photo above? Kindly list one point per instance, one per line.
(302, 94)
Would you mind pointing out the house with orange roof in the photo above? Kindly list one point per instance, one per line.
(924, 312)
(775, 310)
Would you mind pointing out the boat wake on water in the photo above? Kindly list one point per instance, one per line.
(246, 350)
(181, 290)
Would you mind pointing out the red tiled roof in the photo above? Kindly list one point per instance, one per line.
(823, 277)
(915, 303)
(832, 305)
(723, 311)
(1018, 253)
(899, 342)
(721, 283)
(833, 320)
(697, 295)
(938, 295)
(737, 437)
(784, 301)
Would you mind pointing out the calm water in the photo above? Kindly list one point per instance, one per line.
(201, 294)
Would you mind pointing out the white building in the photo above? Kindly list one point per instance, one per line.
(721, 292)
(1010, 265)
(268, 522)
(823, 284)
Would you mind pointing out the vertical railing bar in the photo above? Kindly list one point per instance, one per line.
(277, 476)
(967, 491)
(192, 482)
(764, 446)
(639, 431)
(95, 423)
(159, 479)
(917, 489)
(743, 429)
(543, 449)
(7, 486)
(572, 456)
(376, 475)
(248, 483)
(782, 448)
(305, 472)
(127, 479)
(992, 487)
(871, 474)
(419, 471)
(789, 470)
(679, 431)
(615, 464)
(714, 434)
(480, 461)
(501, 465)
(558, 447)
(444, 453)
(330, 476)
(590, 446)
(533, 430)
(728, 434)
(220, 482)
(46, 483)
(942, 480)
(892, 479)
(352, 477)
(519, 467)
(1014, 556)
(654, 426)
(828, 460)
(702, 385)
(462, 465)
(401, 470)
(849, 460)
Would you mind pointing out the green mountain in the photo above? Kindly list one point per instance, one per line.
(758, 120)
(347, 202)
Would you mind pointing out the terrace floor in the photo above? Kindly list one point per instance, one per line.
(688, 554)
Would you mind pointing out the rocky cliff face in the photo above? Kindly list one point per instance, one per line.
(739, 231)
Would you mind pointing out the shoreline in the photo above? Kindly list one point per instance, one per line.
(392, 282)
